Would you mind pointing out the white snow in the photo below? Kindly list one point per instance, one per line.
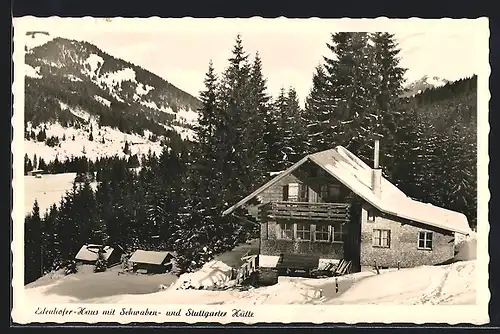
(189, 116)
(153, 105)
(74, 78)
(142, 89)
(32, 72)
(186, 134)
(114, 141)
(112, 79)
(77, 112)
(47, 190)
(95, 62)
(212, 273)
(435, 81)
(57, 288)
(102, 100)
(450, 284)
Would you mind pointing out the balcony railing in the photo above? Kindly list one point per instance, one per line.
(305, 211)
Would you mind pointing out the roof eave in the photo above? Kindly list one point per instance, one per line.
(265, 186)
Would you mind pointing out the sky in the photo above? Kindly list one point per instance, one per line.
(179, 50)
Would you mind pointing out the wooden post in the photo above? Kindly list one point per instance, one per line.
(399, 265)
(376, 268)
(320, 293)
(336, 285)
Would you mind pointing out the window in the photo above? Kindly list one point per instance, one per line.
(329, 192)
(333, 191)
(286, 231)
(303, 231)
(323, 191)
(303, 192)
(337, 232)
(382, 238)
(371, 216)
(293, 192)
(322, 232)
(425, 240)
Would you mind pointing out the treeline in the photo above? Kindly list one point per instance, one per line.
(175, 201)
(74, 164)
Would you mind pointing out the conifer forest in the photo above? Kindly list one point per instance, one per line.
(174, 200)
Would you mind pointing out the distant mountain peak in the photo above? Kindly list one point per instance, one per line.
(424, 83)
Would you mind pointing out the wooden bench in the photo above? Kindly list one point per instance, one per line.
(292, 263)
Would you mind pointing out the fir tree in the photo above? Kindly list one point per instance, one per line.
(389, 78)
(295, 133)
(351, 75)
(318, 112)
(243, 165)
(33, 245)
(261, 119)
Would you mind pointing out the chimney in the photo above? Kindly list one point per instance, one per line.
(377, 171)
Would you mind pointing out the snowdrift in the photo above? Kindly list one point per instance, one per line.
(449, 284)
(213, 273)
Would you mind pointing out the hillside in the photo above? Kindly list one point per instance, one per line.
(72, 84)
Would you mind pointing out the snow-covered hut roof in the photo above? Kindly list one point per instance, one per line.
(150, 257)
(356, 175)
(89, 252)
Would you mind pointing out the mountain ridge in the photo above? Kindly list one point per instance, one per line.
(76, 85)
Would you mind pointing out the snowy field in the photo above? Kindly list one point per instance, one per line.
(106, 142)
(47, 190)
(447, 284)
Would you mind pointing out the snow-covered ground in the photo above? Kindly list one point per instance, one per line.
(447, 284)
(47, 190)
(86, 285)
(114, 142)
(450, 284)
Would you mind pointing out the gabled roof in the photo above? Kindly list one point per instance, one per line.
(89, 252)
(150, 257)
(356, 175)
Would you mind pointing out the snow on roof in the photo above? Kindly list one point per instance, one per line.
(356, 175)
(89, 252)
(150, 257)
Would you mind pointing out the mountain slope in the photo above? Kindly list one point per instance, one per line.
(74, 84)
(424, 83)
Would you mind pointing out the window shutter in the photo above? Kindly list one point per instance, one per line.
(285, 192)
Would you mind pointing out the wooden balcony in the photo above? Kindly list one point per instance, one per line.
(305, 211)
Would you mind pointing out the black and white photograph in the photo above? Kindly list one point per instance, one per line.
(250, 170)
